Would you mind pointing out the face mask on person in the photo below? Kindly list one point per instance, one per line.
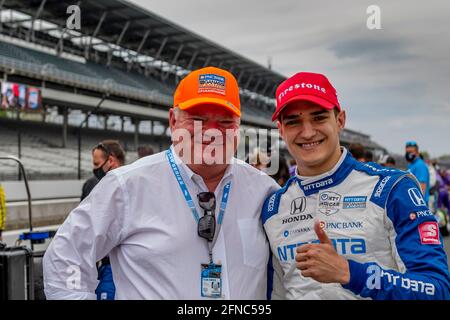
(410, 156)
(99, 173)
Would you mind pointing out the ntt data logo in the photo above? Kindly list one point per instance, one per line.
(376, 274)
(317, 185)
(342, 245)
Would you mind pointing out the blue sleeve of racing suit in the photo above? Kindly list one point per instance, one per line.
(419, 246)
(269, 278)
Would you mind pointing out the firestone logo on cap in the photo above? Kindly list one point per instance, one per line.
(313, 87)
(298, 86)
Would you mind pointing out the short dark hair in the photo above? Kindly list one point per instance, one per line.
(412, 144)
(357, 150)
(145, 150)
(336, 111)
(390, 160)
(111, 147)
(368, 155)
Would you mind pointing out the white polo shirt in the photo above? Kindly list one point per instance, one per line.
(138, 215)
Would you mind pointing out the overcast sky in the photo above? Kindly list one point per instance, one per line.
(394, 82)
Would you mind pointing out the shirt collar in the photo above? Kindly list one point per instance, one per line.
(191, 175)
(331, 178)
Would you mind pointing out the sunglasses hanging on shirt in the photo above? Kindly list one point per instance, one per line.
(207, 224)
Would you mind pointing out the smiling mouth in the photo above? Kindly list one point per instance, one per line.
(310, 145)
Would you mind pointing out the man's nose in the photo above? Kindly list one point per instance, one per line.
(308, 130)
(212, 124)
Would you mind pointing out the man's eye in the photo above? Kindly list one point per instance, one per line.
(320, 118)
(291, 122)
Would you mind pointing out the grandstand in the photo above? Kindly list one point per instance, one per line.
(120, 68)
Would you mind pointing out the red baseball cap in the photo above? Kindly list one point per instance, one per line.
(308, 86)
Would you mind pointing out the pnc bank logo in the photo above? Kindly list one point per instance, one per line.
(298, 205)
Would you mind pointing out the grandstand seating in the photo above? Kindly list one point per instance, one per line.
(101, 72)
(45, 159)
(90, 69)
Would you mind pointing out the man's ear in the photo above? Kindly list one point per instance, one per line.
(172, 118)
(280, 127)
(113, 162)
(341, 118)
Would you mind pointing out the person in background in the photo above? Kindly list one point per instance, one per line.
(87, 187)
(387, 161)
(282, 175)
(368, 156)
(106, 156)
(390, 162)
(102, 163)
(2, 211)
(434, 184)
(357, 151)
(144, 150)
(418, 167)
(259, 159)
(443, 178)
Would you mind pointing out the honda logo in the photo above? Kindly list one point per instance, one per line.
(416, 197)
(298, 205)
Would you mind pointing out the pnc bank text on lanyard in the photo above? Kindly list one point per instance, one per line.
(190, 203)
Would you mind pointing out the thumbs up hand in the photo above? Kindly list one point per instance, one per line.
(321, 234)
(320, 261)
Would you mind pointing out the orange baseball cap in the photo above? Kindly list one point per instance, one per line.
(208, 85)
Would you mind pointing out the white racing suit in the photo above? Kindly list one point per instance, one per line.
(376, 218)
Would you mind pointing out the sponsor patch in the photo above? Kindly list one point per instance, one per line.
(342, 225)
(381, 186)
(211, 83)
(424, 213)
(350, 246)
(296, 218)
(358, 202)
(329, 202)
(298, 205)
(429, 233)
(316, 185)
(271, 203)
(288, 233)
(416, 197)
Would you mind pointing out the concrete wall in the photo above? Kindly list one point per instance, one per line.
(52, 201)
(44, 212)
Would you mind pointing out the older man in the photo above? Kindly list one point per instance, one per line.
(157, 217)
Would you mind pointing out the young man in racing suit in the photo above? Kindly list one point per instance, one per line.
(342, 229)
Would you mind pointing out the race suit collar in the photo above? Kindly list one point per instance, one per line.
(340, 171)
